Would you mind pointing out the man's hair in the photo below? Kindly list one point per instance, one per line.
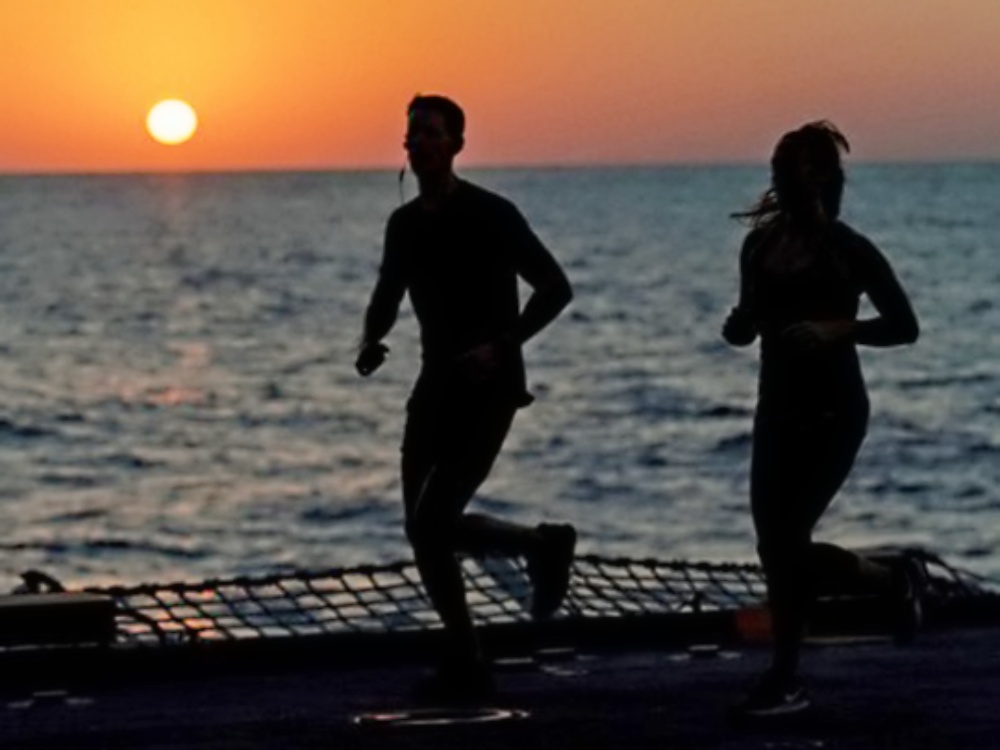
(451, 113)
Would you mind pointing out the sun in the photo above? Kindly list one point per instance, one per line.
(172, 121)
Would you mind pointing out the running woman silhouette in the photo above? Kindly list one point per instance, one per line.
(802, 275)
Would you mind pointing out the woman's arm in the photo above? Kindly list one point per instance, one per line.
(740, 328)
(896, 322)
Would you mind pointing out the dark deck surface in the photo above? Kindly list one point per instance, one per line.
(940, 692)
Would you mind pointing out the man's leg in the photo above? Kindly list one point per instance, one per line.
(433, 531)
(440, 488)
(548, 547)
(448, 452)
(482, 439)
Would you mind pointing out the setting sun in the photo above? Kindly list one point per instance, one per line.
(172, 121)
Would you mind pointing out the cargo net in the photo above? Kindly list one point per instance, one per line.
(390, 599)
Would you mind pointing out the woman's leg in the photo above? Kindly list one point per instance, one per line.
(837, 571)
(782, 544)
(796, 471)
(834, 569)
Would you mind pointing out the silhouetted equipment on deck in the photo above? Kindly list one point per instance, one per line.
(60, 618)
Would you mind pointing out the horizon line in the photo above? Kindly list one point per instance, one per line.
(483, 167)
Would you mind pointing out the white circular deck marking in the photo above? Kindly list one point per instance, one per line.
(436, 717)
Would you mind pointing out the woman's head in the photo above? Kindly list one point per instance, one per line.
(806, 172)
(807, 178)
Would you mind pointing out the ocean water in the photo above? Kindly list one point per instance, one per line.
(178, 399)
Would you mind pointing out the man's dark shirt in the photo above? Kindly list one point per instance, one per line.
(460, 265)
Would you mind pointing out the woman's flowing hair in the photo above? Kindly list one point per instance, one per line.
(806, 176)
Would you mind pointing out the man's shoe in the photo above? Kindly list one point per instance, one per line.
(456, 685)
(549, 568)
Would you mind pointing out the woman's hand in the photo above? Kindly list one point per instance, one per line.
(811, 335)
(739, 328)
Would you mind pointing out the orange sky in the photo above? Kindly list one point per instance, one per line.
(321, 84)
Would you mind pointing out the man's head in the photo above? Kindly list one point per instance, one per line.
(435, 133)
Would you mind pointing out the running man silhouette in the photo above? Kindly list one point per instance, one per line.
(459, 250)
(802, 274)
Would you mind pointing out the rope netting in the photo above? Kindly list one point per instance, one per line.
(390, 599)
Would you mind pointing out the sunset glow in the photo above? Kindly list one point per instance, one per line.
(315, 84)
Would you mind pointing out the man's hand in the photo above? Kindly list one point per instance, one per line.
(370, 357)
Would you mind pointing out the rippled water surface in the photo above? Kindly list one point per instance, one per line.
(178, 401)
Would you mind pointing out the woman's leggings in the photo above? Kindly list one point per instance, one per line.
(798, 465)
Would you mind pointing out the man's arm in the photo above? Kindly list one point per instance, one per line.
(550, 294)
(550, 288)
(383, 308)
